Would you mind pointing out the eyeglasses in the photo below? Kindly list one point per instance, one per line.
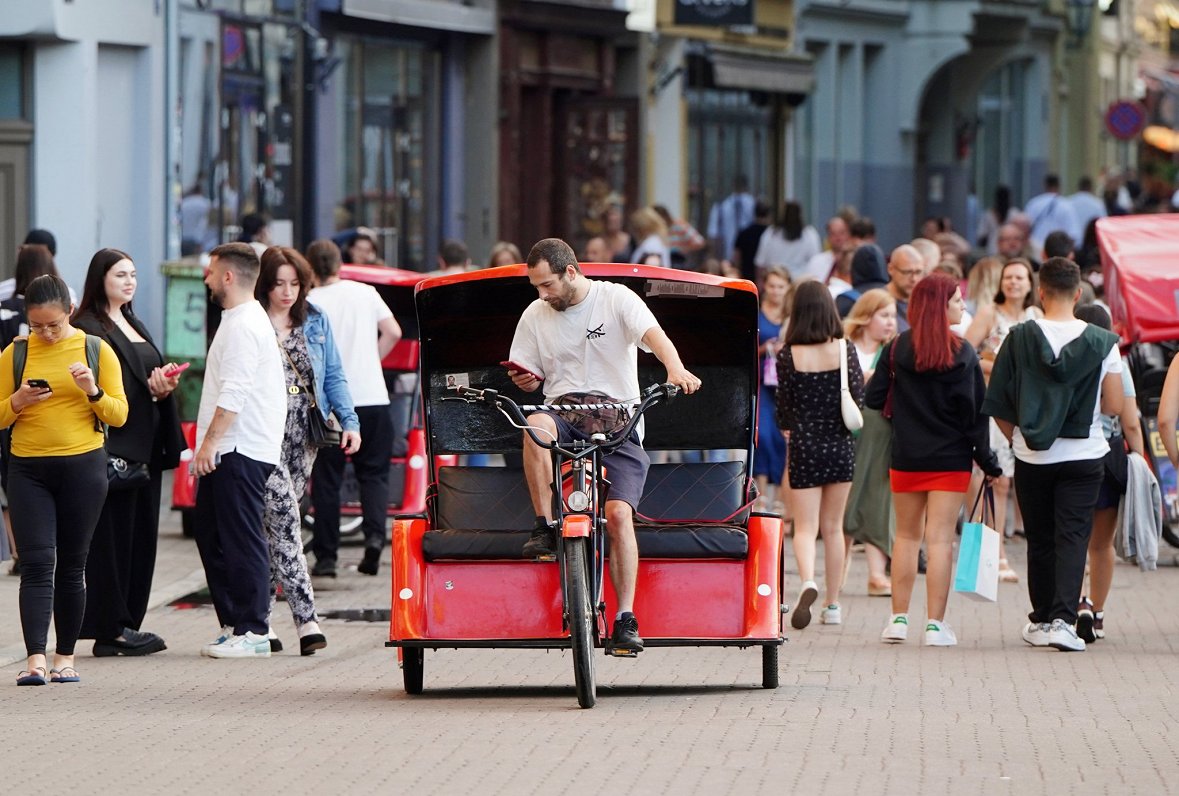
(54, 328)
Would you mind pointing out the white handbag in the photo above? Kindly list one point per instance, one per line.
(852, 417)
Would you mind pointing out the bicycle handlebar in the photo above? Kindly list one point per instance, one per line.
(651, 396)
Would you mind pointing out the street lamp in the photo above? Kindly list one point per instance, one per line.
(1080, 20)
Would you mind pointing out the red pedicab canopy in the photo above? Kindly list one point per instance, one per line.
(1140, 266)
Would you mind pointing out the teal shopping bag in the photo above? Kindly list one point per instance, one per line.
(976, 574)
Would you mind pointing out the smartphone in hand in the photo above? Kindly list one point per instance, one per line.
(39, 384)
(510, 365)
(176, 371)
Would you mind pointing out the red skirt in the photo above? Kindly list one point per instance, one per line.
(950, 481)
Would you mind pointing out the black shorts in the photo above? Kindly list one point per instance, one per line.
(626, 467)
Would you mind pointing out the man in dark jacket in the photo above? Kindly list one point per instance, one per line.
(1052, 380)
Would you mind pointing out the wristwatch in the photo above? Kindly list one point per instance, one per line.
(96, 397)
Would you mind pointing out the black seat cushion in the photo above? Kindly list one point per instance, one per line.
(700, 491)
(687, 511)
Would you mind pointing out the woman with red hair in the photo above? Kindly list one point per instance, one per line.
(930, 383)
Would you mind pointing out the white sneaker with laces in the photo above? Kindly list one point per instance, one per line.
(801, 617)
(897, 629)
(222, 637)
(1036, 634)
(249, 645)
(832, 615)
(938, 634)
(1063, 637)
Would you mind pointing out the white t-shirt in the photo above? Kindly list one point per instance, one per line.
(652, 245)
(244, 374)
(354, 310)
(1059, 334)
(593, 346)
(773, 249)
(819, 267)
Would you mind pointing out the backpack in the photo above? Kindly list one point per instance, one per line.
(20, 354)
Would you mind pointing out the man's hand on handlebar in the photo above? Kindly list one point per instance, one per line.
(684, 379)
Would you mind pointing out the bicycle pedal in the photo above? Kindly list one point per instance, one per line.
(621, 653)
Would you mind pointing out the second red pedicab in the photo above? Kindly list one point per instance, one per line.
(710, 569)
(1140, 269)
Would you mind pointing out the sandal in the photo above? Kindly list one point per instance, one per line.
(1006, 573)
(31, 676)
(66, 674)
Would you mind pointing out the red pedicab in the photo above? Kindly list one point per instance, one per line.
(709, 569)
(1140, 269)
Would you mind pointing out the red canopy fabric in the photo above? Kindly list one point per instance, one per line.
(1140, 265)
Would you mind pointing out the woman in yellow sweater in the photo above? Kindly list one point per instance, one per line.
(57, 474)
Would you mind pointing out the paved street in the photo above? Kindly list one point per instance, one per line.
(851, 716)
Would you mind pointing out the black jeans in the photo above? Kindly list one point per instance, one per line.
(232, 542)
(371, 465)
(54, 503)
(1057, 501)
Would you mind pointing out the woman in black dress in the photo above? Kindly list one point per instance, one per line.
(822, 453)
(123, 550)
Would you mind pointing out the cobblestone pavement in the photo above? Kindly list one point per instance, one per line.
(851, 716)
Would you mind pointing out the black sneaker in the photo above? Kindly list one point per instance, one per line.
(1086, 621)
(324, 568)
(371, 563)
(625, 640)
(541, 545)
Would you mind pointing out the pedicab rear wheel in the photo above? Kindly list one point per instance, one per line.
(413, 668)
(581, 620)
(769, 666)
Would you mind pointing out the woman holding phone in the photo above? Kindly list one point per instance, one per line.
(313, 367)
(123, 550)
(56, 404)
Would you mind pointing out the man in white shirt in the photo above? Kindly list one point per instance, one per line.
(240, 426)
(1086, 205)
(365, 332)
(1050, 383)
(583, 336)
(729, 216)
(1049, 212)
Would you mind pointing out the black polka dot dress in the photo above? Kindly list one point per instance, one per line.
(822, 450)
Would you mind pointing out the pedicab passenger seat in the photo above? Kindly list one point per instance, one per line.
(688, 511)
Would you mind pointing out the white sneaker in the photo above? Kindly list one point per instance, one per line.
(1063, 637)
(1036, 633)
(832, 615)
(224, 636)
(250, 645)
(802, 611)
(897, 629)
(938, 634)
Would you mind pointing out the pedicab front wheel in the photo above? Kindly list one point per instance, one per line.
(413, 668)
(769, 666)
(581, 620)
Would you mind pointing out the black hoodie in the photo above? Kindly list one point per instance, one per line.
(937, 425)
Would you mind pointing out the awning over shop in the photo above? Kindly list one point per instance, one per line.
(757, 70)
(451, 16)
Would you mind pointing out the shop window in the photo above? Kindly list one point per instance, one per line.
(388, 180)
(12, 83)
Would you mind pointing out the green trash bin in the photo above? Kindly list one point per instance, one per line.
(186, 308)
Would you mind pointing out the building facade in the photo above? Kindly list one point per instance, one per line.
(919, 106)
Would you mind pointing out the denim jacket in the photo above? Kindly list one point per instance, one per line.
(331, 386)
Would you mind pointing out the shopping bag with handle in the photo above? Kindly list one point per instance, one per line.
(977, 574)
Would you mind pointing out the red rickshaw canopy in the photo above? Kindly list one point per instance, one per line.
(1140, 266)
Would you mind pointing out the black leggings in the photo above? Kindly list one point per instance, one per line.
(54, 503)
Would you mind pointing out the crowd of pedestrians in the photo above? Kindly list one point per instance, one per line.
(91, 425)
(998, 373)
